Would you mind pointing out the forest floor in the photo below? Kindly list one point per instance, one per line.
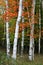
(4, 60)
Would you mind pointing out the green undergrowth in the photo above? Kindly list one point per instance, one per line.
(4, 60)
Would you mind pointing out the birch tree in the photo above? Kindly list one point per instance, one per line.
(17, 30)
(31, 49)
(39, 25)
(22, 42)
(7, 31)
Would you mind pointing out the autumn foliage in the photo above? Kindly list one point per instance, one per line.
(12, 12)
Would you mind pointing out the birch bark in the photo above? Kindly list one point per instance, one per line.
(22, 42)
(7, 31)
(39, 25)
(17, 30)
(31, 49)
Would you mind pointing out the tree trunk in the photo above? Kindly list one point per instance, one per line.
(17, 30)
(31, 49)
(7, 31)
(39, 25)
(22, 42)
(7, 39)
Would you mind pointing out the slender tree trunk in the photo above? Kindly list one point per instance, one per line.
(17, 30)
(18, 49)
(39, 26)
(7, 39)
(7, 31)
(22, 42)
(31, 49)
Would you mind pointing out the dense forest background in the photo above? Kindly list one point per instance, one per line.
(38, 27)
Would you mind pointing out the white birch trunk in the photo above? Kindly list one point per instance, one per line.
(31, 49)
(39, 26)
(22, 42)
(17, 30)
(7, 32)
(18, 49)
